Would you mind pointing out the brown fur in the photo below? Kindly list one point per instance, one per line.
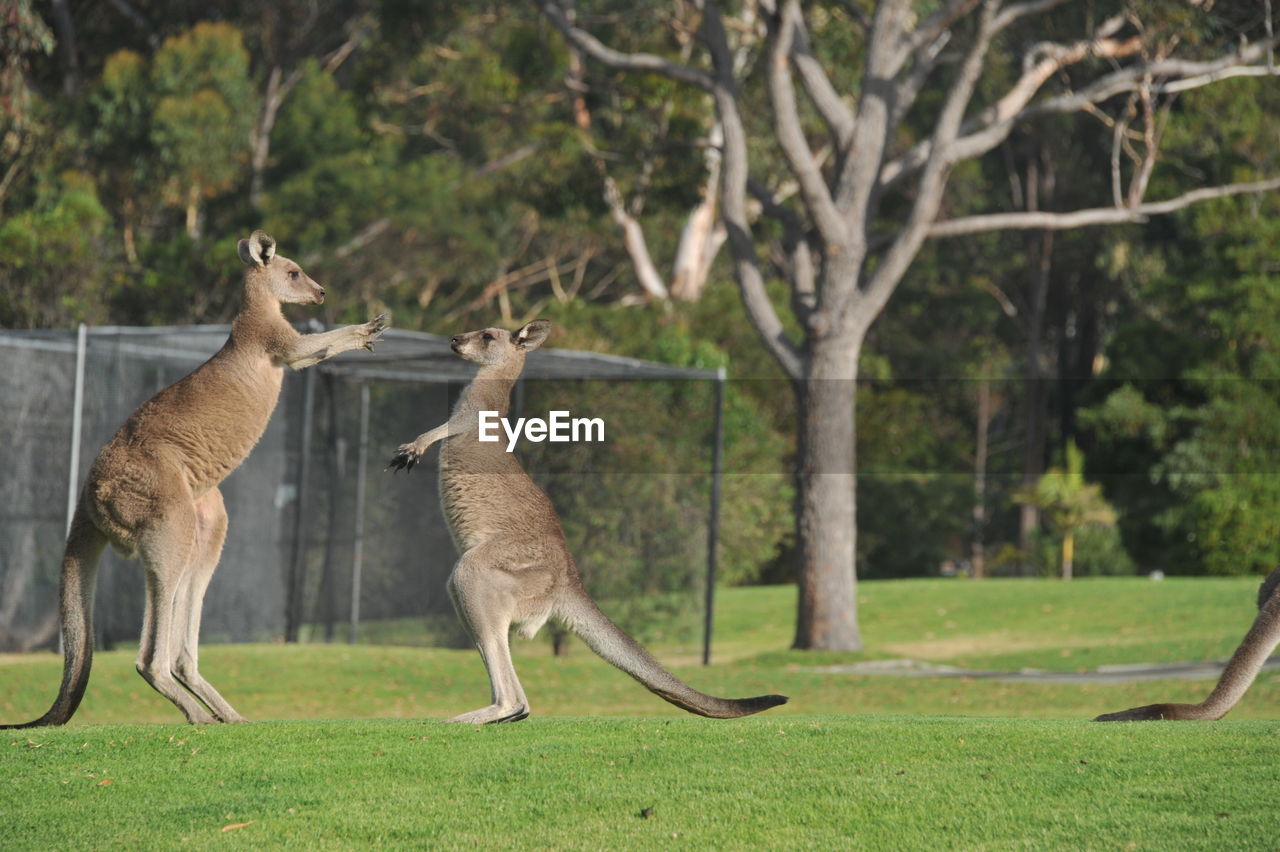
(1238, 676)
(515, 568)
(152, 490)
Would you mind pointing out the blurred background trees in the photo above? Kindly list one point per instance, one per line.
(453, 164)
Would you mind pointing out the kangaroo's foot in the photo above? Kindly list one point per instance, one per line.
(492, 714)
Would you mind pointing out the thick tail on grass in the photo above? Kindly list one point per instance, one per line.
(79, 575)
(1236, 679)
(608, 640)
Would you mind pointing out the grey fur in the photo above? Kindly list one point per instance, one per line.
(515, 568)
(153, 489)
(1238, 676)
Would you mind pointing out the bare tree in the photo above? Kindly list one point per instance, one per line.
(703, 234)
(866, 207)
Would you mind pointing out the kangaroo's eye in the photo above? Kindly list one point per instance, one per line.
(487, 336)
(293, 273)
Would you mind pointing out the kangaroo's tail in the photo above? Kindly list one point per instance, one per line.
(608, 640)
(1237, 677)
(79, 574)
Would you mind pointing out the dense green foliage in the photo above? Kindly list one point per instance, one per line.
(1184, 422)
(445, 163)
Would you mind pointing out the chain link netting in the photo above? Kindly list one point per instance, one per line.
(323, 544)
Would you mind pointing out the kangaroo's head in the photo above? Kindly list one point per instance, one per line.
(279, 276)
(496, 346)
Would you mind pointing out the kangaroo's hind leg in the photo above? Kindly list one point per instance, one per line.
(485, 598)
(211, 532)
(166, 547)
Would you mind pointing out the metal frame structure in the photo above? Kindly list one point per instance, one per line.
(401, 356)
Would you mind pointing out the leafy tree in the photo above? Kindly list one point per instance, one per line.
(871, 154)
(1071, 503)
(675, 437)
(452, 164)
(46, 253)
(204, 108)
(1183, 423)
(22, 33)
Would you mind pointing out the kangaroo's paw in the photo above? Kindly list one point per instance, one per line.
(372, 331)
(492, 714)
(407, 455)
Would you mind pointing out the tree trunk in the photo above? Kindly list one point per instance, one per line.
(826, 530)
(65, 27)
(193, 212)
(1040, 252)
(702, 235)
(978, 547)
(262, 135)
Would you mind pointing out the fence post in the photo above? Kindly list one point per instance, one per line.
(357, 547)
(713, 523)
(77, 409)
(298, 565)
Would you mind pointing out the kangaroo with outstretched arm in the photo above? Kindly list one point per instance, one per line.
(153, 489)
(515, 567)
(1238, 676)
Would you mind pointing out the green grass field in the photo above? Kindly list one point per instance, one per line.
(347, 753)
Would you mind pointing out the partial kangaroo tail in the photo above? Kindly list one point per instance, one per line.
(1239, 674)
(79, 573)
(608, 640)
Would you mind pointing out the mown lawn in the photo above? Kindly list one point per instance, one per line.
(828, 782)
(345, 752)
(1003, 625)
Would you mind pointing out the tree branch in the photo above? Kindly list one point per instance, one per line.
(277, 91)
(802, 273)
(1188, 83)
(859, 164)
(723, 88)
(1013, 13)
(1094, 216)
(998, 120)
(982, 133)
(817, 85)
(634, 242)
(934, 26)
(791, 138)
(906, 245)
(602, 53)
(733, 202)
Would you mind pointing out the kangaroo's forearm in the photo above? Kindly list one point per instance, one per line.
(310, 349)
(426, 439)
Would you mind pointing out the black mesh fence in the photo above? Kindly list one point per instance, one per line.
(323, 543)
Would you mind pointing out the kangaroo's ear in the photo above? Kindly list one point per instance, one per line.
(258, 249)
(531, 336)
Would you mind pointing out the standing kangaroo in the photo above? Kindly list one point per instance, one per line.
(1243, 667)
(515, 567)
(153, 489)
